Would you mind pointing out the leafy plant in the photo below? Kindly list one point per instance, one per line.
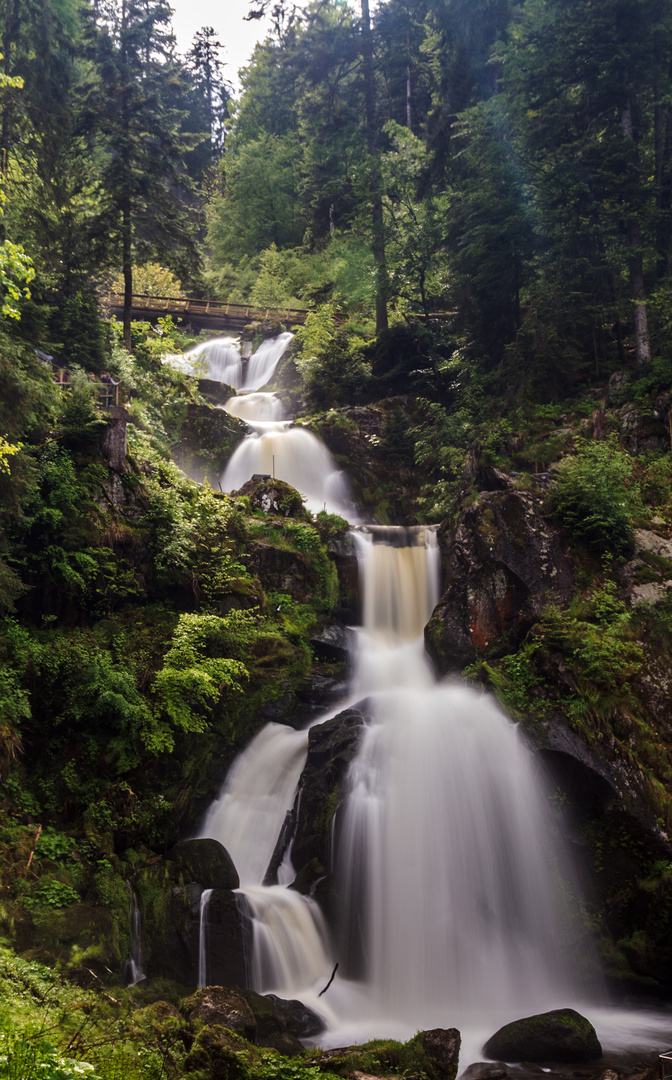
(596, 498)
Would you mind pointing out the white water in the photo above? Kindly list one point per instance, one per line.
(450, 914)
(203, 938)
(134, 972)
(296, 456)
(257, 406)
(219, 359)
(451, 882)
(276, 448)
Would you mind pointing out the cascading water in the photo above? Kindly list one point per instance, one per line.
(288, 453)
(442, 854)
(203, 938)
(448, 874)
(442, 849)
(220, 360)
(289, 935)
(134, 972)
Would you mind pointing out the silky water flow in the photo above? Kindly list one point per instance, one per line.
(442, 851)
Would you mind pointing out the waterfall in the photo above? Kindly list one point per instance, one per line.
(219, 359)
(134, 973)
(290, 951)
(203, 938)
(445, 863)
(288, 453)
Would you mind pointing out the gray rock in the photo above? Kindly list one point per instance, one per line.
(485, 1070)
(331, 748)
(503, 563)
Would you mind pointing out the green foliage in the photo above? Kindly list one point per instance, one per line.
(330, 360)
(275, 1067)
(441, 441)
(54, 845)
(52, 894)
(596, 499)
(22, 1059)
(192, 680)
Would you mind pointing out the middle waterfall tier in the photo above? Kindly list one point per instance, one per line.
(276, 448)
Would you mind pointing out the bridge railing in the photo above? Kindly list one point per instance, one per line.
(185, 306)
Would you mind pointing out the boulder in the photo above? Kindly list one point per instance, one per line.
(502, 563)
(331, 747)
(205, 861)
(485, 1070)
(297, 1018)
(274, 497)
(561, 1035)
(215, 1053)
(217, 1005)
(440, 1049)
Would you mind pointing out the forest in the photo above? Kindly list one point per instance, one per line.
(471, 203)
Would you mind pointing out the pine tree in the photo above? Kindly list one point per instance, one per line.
(136, 130)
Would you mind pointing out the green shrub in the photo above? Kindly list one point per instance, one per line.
(596, 499)
(52, 894)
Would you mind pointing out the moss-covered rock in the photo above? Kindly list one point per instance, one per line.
(216, 1054)
(562, 1035)
(216, 1005)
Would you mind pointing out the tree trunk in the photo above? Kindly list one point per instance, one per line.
(127, 267)
(375, 180)
(636, 264)
(126, 217)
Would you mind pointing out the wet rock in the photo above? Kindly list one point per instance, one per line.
(298, 1019)
(562, 1035)
(217, 1005)
(441, 1051)
(331, 748)
(170, 905)
(205, 861)
(485, 1070)
(229, 938)
(503, 563)
(333, 641)
(207, 438)
(283, 571)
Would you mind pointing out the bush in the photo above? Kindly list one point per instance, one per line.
(596, 499)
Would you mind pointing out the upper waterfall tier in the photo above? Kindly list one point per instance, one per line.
(219, 359)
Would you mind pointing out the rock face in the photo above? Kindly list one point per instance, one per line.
(331, 748)
(170, 903)
(562, 1035)
(205, 861)
(502, 565)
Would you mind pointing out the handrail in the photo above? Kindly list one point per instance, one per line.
(206, 307)
(184, 304)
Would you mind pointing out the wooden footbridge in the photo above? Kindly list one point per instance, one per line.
(197, 315)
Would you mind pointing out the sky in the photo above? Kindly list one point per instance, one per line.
(228, 19)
